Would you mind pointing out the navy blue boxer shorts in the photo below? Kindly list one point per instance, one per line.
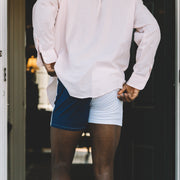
(69, 113)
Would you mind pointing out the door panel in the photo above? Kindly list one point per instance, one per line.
(146, 149)
(177, 94)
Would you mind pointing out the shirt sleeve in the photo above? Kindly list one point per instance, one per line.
(44, 18)
(147, 36)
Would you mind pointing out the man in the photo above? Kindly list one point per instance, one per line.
(86, 44)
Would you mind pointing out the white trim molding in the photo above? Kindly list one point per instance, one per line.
(3, 91)
(177, 95)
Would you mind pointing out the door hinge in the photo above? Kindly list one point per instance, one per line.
(0, 53)
(5, 74)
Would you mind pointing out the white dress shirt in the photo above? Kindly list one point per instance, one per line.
(90, 42)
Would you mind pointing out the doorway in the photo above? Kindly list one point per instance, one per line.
(38, 115)
(146, 149)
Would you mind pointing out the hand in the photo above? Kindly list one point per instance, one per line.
(128, 93)
(49, 68)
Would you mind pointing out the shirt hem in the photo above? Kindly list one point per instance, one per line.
(91, 95)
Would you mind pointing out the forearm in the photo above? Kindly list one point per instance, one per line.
(147, 37)
(44, 16)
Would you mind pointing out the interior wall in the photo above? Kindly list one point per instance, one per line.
(16, 88)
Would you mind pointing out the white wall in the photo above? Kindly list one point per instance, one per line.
(3, 91)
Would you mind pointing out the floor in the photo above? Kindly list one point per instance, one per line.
(38, 165)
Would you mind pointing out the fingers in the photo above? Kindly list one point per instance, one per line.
(52, 73)
(50, 70)
(128, 93)
(134, 94)
(49, 67)
(127, 98)
(121, 97)
(122, 94)
(122, 90)
(124, 97)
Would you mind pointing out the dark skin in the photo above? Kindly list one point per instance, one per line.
(105, 139)
(49, 67)
(128, 93)
(63, 144)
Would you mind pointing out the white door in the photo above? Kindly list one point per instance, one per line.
(177, 97)
(3, 90)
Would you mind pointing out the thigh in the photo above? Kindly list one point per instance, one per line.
(105, 139)
(63, 144)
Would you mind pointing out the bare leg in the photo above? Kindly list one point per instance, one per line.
(63, 144)
(105, 141)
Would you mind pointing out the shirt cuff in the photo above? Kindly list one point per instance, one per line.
(137, 81)
(39, 60)
(49, 56)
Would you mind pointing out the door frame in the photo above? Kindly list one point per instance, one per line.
(3, 91)
(16, 89)
(177, 93)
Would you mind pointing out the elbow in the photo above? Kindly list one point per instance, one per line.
(34, 12)
(156, 32)
(153, 33)
(46, 3)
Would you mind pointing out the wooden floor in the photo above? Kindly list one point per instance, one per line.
(38, 168)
